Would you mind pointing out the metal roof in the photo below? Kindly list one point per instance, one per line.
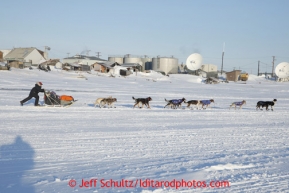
(107, 64)
(130, 64)
(85, 57)
(19, 53)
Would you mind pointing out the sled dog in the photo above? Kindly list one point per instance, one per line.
(143, 101)
(265, 104)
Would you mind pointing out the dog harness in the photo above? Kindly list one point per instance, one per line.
(206, 102)
(177, 101)
(238, 103)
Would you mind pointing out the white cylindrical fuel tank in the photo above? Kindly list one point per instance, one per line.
(165, 64)
(131, 60)
(116, 59)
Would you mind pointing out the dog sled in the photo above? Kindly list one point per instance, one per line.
(51, 99)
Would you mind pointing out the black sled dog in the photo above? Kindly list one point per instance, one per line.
(265, 104)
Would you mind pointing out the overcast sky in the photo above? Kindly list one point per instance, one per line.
(252, 30)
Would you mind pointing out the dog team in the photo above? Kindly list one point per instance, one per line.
(177, 103)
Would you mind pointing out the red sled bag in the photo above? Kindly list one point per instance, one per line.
(66, 98)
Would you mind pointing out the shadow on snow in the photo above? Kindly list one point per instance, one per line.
(15, 160)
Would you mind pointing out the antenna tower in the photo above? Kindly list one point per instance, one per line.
(223, 58)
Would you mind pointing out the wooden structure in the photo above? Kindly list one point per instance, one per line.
(16, 64)
(233, 76)
(104, 67)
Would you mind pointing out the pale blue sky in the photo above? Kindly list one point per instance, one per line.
(251, 29)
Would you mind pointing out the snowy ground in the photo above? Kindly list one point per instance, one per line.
(43, 148)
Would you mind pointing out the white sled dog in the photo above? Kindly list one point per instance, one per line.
(98, 101)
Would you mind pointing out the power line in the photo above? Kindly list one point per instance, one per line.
(248, 64)
(244, 58)
(282, 56)
(265, 63)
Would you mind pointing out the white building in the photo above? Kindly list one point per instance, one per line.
(24, 57)
(83, 60)
(209, 68)
(3, 53)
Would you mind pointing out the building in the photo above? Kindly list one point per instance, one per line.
(24, 57)
(233, 76)
(210, 70)
(145, 62)
(83, 60)
(104, 67)
(75, 67)
(3, 53)
(51, 62)
(132, 66)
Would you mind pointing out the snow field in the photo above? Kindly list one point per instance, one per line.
(246, 147)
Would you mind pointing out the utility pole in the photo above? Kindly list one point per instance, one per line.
(223, 58)
(258, 67)
(98, 54)
(273, 66)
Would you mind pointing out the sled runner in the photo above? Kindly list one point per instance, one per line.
(52, 99)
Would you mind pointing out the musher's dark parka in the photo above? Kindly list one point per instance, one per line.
(34, 93)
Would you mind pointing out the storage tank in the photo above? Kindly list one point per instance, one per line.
(146, 63)
(165, 64)
(116, 59)
(131, 59)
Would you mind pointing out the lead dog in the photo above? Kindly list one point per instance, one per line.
(107, 101)
(266, 104)
(97, 102)
(240, 104)
(175, 103)
(193, 102)
(206, 103)
(143, 101)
